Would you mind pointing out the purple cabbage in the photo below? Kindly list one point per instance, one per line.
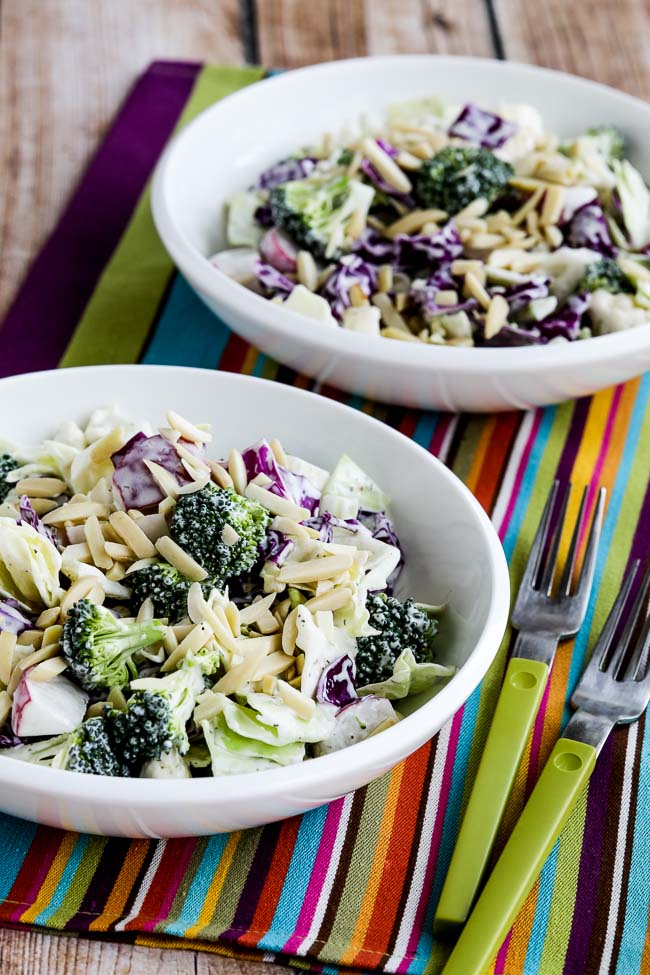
(371, 246)
(259, 459)
(520, 295)
(29, 517)
(589, 228)
(325, 524)
(380, 526)
(12, 618)
(483, 128)
(422, 250)
(336, 683)
(272, 280)
(275, 547)
(264, 215)
(350, 270)
(132, 479)
(513, 335)
(566, 322)
(11, 741)
(286, 171)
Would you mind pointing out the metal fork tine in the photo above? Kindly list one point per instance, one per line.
(583, 586)
(569, 566)
(618, 658)
(604, 642)
(636, 668)
(531, 572)
(546, 585)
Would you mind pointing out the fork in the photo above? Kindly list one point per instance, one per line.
(543, 618)
(614, 689)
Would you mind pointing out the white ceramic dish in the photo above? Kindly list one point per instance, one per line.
(227, 146)
(453, 554)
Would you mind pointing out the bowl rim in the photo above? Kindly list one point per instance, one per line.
(385, 749)
(289, 325)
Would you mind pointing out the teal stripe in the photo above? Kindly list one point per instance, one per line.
(198, 891)
(614, 506)
(67, 877)
(424, 429)
(16, 837)
(297, 879)
(638, 889)
(187, 333)
(542, 912)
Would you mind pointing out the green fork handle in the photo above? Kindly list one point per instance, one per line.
(564, 777)
(519, 700)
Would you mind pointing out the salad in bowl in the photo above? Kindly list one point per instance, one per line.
(168, 615)
(450, 224)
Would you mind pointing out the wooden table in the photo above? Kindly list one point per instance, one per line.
(65, 65)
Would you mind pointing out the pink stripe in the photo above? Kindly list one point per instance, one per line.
(432, 859)
(317, 879)
(33, 891)
(521, 470)
(183, 851)
(440, 433)
(600, 462)
(502, 957)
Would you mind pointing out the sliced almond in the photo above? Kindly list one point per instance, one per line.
(75, 511)
(47, 618)
(165, 481)
(5, 706)
(220, 475)
(314, 569)
(180, 559)
(251, 613)
(196, 639)
(48, 669)
(187, 430)
(96, 543)
(386, 166)
(276, 505)
(132, 535)
(237, 471)
(496, 317)
(52, 634)
(303, 706)
(41, 487)
(7, 649)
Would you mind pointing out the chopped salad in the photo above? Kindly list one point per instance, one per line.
(451, 225)
(163, 614)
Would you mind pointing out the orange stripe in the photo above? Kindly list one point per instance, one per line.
(131, 867)
(479, 456)
(496, 457)
(52, 878)
(393, 870)
(379, 859)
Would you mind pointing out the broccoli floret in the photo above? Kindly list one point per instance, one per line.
(88, 749)
(401, 626)
(7, 464)
(314, 212)
(604, 275)
(198, 522)
(99, 648)
(165, 586)
(157, 713)
(608, 141)
(145, 730)
(457, 175)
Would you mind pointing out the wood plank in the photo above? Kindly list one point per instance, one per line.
(65, 65)
(33, 953)
(288, 37)
(594, 38)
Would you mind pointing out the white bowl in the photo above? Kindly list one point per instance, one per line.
(453, 554)
(228, 145)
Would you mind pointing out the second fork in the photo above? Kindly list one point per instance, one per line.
(544, 615)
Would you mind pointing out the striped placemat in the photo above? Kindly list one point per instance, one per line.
(354, 883)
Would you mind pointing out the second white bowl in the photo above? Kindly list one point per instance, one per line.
(227, 146)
